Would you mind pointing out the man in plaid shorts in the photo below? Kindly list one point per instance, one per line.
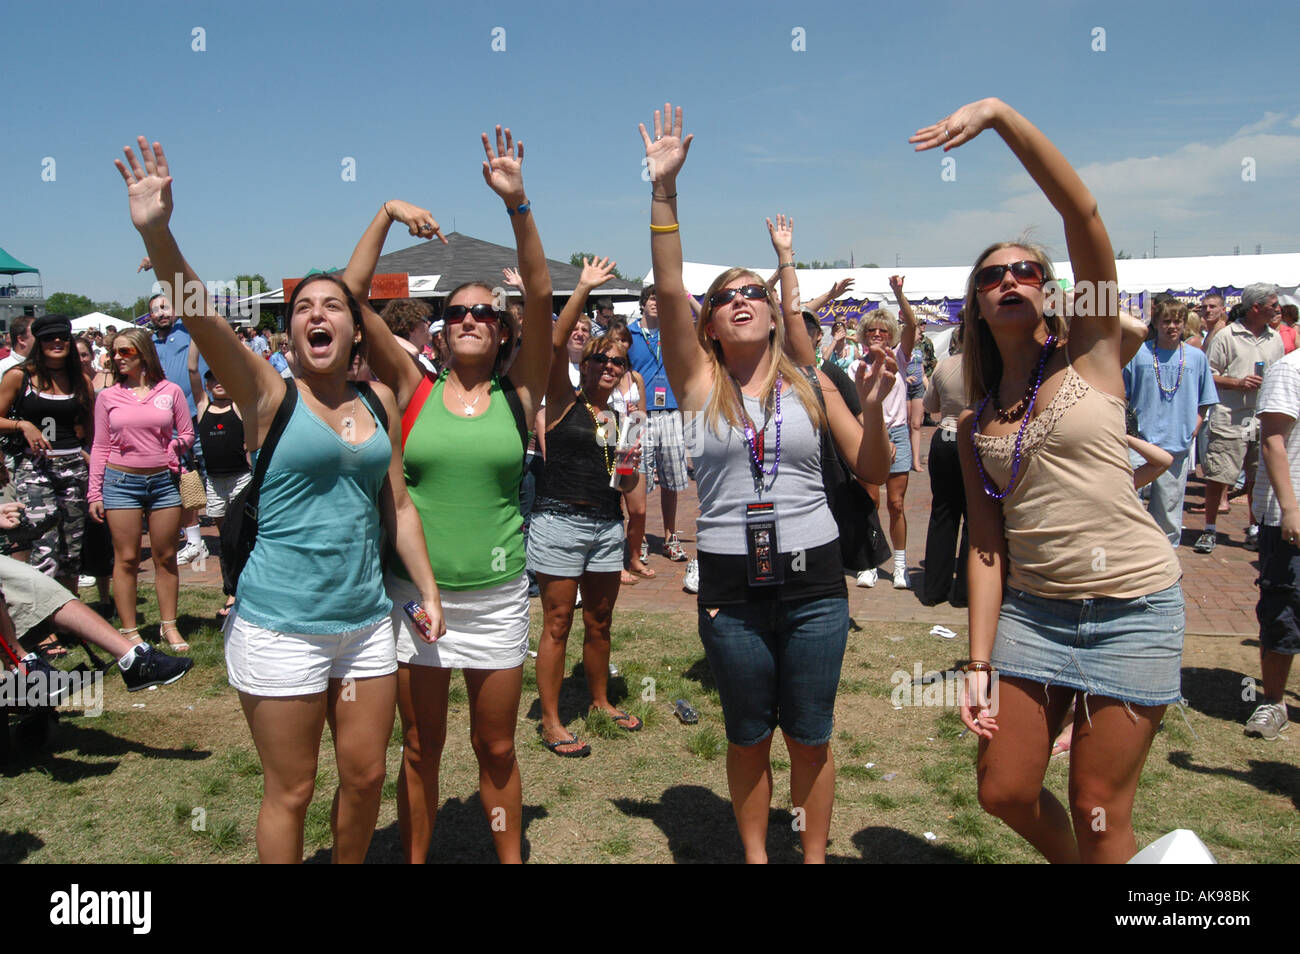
(663, 450)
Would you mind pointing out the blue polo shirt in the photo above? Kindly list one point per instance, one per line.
(1165, 420)
(174, 356)
(648, 361)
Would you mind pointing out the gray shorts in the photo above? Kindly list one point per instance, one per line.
(32, 597)
(569, 545)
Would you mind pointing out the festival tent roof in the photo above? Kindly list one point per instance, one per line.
(96, 319)
(11, 266)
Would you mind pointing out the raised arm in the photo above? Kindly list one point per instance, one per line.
(251, 381)
(559, 390)
(1096, 340)
(684, 359)
(390, 362)
(828, 296)
(503, 172)
(909, 327)
(196, 382)
(797, 343)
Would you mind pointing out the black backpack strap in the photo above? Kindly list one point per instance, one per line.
(516, 408)
(278, 424)
(372, 401)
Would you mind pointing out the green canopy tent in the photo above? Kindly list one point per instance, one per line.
(11, 266)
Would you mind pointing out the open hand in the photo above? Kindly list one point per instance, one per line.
(666, 153)
(596, 271)
(958, 127)
(782, 235)
(503, 168)
(511, 277)
(148, 185)
(840, 287)
(418, 221)
(875, 374)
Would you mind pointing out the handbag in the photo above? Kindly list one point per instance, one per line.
(14, 442)
(194, 496)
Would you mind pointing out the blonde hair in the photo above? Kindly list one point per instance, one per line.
(722, 403)
(881, 317)
(981, 360)
(151, 371)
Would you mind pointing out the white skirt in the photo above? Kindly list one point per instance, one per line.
(486, 628)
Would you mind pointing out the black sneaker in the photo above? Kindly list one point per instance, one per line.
(55, 680)
(154, 668)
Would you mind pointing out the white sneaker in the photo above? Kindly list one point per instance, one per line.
(868, 577)
(692, 582)
(577, 601)
(84, 581)
(900, 578)
(191, 552)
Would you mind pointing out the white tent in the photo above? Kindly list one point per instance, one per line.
(97, 320)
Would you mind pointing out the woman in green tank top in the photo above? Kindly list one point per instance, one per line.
(464, 461)
(293, 677)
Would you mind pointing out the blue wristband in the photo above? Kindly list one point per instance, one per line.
(524, 206)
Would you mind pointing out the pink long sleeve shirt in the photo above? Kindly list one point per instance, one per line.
(137, 431)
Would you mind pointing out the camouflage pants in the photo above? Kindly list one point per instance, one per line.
(53, 490)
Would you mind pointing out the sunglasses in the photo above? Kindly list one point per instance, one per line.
(748, 292)
(1026, 273)
(55, 336)
(456, 313)
(126, 351)
(600, 360)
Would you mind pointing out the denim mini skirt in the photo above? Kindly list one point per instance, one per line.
(1129, 649)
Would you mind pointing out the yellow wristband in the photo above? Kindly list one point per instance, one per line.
(664, 228)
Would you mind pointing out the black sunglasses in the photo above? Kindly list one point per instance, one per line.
(749, 292)
(1026, 273)
(55, 336)
(600, 359)
(454, 314)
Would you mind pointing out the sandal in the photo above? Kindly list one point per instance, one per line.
(132, 635)
(170, 624)
(51, 648)
(628, 578)
(618, 715)
(645, 571)
(581, 753)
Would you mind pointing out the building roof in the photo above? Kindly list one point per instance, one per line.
(467, 259)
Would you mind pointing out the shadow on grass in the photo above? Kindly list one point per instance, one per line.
(574, 697)
(17, 845)
(880, 845)
(1216, 693)
(70, 734)
(460, 836)
(700, 672)
(1275, 778)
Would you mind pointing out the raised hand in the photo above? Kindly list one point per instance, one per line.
(503, 168)
(958, 127)
(782, 235)
(144, 264)
(666, 153)
(418, 221)
(896, 284)
(875, 374)
(511, 277)
(148, 185)
(596, 272)
(840, 287)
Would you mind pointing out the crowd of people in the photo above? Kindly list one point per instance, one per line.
(419, 476)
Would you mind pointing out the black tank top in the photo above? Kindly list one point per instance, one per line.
(222, 437)
(61, 410)
(576, 467)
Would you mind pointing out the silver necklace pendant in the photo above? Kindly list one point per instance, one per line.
(469, 410)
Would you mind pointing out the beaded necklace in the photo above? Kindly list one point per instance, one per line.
(1155, 362)
(600, 433)
(754, 438)
(989, 487)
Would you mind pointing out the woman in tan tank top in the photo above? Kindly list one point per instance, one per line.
(1061, 602)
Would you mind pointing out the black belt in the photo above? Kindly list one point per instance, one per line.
(596, 511)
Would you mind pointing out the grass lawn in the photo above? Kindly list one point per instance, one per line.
(171, 775)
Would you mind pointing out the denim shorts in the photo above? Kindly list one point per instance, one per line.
(562, 544)
(1125, 649)
(1278, 610)
(777, 664)
(901, 438)
(123, 491)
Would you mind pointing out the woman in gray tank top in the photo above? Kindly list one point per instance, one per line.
(773, 608)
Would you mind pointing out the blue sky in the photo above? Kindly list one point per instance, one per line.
(257, 126)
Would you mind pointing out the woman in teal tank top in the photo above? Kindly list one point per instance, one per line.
(464, 460)
(311, 627)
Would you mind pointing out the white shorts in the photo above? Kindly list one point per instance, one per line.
(486, 629)
(222, 490)
(262, 662)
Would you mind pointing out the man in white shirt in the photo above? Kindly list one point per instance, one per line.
(1278, 610)
(21, 334)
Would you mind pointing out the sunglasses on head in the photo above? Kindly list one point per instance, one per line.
(126, 351)
(748, 292)
(455, 314)
(600, 359)
(1026, 273)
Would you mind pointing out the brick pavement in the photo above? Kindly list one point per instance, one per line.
(1219, 587)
